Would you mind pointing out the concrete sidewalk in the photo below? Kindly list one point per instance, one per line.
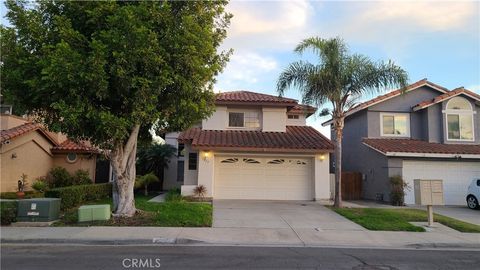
(240, 236)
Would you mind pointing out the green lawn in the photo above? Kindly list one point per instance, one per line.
(379, 219)
(167, 214)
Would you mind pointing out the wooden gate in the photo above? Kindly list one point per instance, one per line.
(351, 186)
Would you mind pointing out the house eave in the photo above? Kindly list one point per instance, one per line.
(432, 155)
(260, 149)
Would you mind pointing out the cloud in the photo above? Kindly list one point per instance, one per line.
(381, 20)
(272, 25)
(245, 69)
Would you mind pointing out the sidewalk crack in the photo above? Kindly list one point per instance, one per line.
(298, 236)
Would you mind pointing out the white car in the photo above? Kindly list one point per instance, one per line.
(473, 194)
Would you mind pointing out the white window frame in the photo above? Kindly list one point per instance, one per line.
(470, 112)
(395, 114)
(228, 120)
(293, 116)
(244, 112)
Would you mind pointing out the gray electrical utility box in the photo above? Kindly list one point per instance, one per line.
(39, 209)
(428, 192)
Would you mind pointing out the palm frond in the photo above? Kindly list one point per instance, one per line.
(295, 75)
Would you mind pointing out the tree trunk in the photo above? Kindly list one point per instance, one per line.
(123, 159)
(338, 127)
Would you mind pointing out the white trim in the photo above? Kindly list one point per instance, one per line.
(448, 112)
(417, 108)
(382, 114)
(356, 110)
(432, 155)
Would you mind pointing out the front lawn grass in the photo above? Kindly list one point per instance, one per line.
(167, 214)
(379, 219)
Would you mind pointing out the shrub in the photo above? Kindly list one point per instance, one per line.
(81, 177)
(174, 195)
(59, 177)
(200, 192)
(145, 180)
(8, 212)
(40, 185)
(28, 195)
(75, 195)
(398, 188)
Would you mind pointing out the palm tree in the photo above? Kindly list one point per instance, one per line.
(340, 78)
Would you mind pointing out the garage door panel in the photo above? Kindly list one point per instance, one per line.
(263, 178)
(456, 177)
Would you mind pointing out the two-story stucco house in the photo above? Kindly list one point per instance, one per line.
(428, 132)
(254, 146)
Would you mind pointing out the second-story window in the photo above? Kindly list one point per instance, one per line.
(243, 119)
(459, 114)
(293, 116)
(395, 124)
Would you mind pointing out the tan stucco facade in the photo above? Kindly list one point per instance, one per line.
(31, 154)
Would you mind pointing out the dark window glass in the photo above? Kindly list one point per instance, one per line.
(235, 119)
(192, 161)
(180, 172)
(181, 150)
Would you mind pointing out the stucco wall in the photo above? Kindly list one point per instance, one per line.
(322, 177)
(218, 120)
(206, 171)
(84, 162)
(301, 121)
(190, 176)
(31, 157)
(8, 121)
(274, 119)
(170, 173)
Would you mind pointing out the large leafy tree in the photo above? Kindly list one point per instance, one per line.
(339, 78)
(105, 71)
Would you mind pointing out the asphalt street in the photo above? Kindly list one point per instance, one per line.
(37, 257)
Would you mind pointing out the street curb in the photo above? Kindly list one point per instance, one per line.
(192, 242)
(158, 241)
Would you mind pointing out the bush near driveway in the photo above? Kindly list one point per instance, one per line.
(76, 195)
(8, 212)
(377, 219)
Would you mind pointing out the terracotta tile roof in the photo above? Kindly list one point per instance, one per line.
(21, 130)
(71, 146)
(236, 97)
(295, 139)
(417, 146)
(455, 92)
(391, 94)
(305, 109)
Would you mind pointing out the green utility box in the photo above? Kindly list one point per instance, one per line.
(94, 212)
(38, 209)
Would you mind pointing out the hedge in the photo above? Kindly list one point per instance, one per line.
(75, 195)
(8, 212)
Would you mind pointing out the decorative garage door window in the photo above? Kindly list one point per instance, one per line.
(250, 160)
(300, 162)
(276, 161)
(229, 160)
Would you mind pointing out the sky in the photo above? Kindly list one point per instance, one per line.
(438, 40)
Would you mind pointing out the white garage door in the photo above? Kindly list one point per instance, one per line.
(456, 177)
(263, 178)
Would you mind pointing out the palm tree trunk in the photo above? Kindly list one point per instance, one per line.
(338, 126)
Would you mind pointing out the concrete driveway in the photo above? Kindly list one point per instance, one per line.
(278, 215)
(458, 212)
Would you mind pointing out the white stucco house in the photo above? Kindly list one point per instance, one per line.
(254, 146)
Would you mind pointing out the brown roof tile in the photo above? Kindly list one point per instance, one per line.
(251, 97)
(17, 131)
(295, 139)
(301, 108)
(71, 146)
(417, 146)
(445, 96)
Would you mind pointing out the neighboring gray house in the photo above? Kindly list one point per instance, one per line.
(428, 132)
